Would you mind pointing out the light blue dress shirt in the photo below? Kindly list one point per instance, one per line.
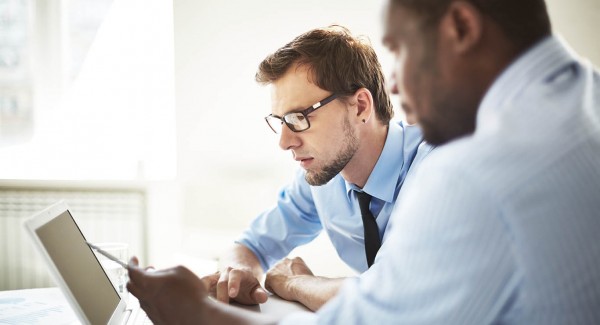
(302, 211)
(502, 226)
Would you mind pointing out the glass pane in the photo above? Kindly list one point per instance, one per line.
(16, 116)
(85, 18)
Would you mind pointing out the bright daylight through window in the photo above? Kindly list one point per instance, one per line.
(86, 92)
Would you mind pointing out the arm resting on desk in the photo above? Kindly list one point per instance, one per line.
(178, 296)
(238, 278)
(292, 280)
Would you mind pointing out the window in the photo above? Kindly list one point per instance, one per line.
(103, 91)
(16, 118)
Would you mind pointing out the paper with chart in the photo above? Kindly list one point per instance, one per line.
(35, 306)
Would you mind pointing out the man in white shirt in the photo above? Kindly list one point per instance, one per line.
(503, 225)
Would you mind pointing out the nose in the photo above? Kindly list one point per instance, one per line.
(288, 139)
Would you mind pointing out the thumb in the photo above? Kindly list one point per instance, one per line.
(135, 272)
(211, 280)
(259, 295)
(134, 261)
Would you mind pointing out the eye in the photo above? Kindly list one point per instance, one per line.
(294, 118)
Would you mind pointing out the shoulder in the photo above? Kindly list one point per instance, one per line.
(471, 161)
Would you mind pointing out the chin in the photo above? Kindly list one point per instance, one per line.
(433, 136)
(317, 179)
(438, 138)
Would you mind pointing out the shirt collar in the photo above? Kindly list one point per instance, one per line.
(382, 181)
(534, 64)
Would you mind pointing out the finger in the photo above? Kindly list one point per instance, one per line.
(259, 295)
(134, 290)
(223, 286)
(131, 288)
(298, 259)
(235, 278)
(134, 261)
(210, 283)
(211, 279)
(136, 274)
(138, 283)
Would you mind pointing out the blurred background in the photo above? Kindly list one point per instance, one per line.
(145, 118)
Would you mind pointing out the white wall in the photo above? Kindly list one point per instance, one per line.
(225, 148)
(578, 21)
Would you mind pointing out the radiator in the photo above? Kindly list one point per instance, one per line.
(104, 214)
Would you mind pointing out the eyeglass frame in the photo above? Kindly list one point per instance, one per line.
(304, 112)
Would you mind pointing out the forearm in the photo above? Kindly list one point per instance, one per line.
(314, 291)
(239, 256)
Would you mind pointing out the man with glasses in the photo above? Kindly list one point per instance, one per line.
(330, 109)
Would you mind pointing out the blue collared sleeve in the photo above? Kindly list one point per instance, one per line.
(292, 222)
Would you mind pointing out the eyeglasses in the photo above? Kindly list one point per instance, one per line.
(296, 121)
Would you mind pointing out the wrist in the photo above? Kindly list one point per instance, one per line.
(207, 309)
(294, 285)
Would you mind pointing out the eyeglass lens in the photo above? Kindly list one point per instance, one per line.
(295, 121)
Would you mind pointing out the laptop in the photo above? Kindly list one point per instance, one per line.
(77, 271)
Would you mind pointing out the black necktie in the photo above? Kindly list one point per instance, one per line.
(372, 241)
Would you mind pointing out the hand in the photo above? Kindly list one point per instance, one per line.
(235, 284)
(171, 296)
(280, 278)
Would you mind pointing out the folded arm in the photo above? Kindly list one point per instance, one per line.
(291, 279)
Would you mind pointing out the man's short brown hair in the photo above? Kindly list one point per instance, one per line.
(338, 61)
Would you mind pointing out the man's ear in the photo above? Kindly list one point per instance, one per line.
(365, 107)
(461, 27)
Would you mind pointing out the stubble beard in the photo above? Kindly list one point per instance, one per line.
(329, 171)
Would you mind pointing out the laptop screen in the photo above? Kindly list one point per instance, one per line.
(79, 268)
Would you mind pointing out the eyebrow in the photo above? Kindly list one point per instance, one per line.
(293, 110)
(303, 108)
(314, 106)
